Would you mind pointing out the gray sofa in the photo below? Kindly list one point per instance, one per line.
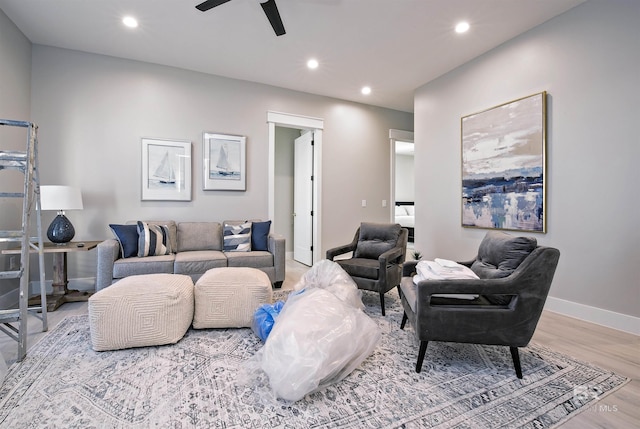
(198, 248)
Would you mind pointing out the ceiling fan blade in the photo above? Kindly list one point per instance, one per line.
(271, 10)
(210, 4)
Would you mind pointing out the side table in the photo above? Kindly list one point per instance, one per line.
(60, 292)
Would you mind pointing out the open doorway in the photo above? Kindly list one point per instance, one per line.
(403, 180)
(288, 168)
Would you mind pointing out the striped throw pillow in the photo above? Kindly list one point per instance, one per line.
(237, 237)
(153, 240)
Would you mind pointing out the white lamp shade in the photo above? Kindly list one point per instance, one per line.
(60, 198)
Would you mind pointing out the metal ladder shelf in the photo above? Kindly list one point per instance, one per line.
(27, 163)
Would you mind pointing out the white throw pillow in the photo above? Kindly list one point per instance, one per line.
(401, 211)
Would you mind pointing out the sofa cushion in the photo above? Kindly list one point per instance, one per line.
(237, 236)
(500, 254)
(253, 259)
(199, 236)
(260, 235)
(146, 265)
(127, 236)
(198, 261)
(153, 240)
(376, 238)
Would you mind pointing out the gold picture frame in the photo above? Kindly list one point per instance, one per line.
(504, 166)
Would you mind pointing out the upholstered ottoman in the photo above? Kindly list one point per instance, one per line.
(139, 311)
(228, 297)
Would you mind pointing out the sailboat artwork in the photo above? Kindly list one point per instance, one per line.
(165, 172)
(224, 160)
(165, 167)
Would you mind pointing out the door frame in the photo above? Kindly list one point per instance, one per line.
(288, 120)
(395, 135)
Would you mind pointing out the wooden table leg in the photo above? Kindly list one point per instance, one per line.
(61, 293)
(59, 283)
(60, 279)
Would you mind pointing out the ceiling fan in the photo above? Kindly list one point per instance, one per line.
(269, 7)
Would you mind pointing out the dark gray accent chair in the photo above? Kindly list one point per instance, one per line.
(379, 249)
(515, 277)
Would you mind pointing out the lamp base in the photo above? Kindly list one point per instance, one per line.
(60, 231)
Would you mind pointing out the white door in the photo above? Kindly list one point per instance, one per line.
(303, 199)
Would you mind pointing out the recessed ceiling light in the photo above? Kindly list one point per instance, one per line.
(313, 64)
(462, 27)
(130, 21)
(366, 90)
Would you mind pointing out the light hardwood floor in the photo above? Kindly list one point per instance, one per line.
(610, 349)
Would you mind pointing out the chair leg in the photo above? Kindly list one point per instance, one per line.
(404, 320)
(516, 361)
(382, 302)
(423, 350)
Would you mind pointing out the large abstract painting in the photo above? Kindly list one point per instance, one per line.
(503, 166)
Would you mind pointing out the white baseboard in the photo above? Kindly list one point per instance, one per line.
(599, 316)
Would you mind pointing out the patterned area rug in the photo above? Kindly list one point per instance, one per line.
(194, 384)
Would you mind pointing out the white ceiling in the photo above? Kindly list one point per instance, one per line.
(394, 46)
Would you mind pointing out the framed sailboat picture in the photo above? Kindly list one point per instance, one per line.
(224, 162)
(166, 170)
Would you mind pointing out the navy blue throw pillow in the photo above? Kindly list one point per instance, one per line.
(260, 235)
(127, 236)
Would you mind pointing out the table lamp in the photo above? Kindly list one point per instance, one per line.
(60, 198)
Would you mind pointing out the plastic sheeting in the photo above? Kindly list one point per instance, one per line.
(330, 276)
(320, 336)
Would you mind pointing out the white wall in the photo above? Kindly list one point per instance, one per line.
(94, 109)
(589, 62)
(405, 178)
(15, 97)
(284, 180)
(15, 72)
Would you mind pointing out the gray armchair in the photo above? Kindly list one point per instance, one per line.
(515, 277)
(379, 250)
